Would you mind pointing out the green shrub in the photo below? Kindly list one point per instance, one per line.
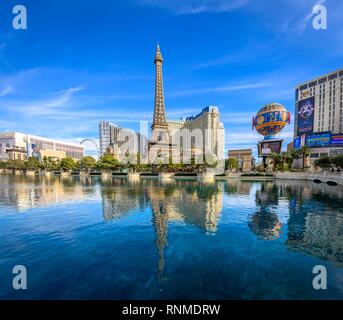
(257, 174)
(185, 174)
(323, 162)
(338, 161)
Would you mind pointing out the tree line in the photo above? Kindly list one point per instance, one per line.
(105, 163)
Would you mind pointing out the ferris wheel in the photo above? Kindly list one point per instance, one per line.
(94, 143)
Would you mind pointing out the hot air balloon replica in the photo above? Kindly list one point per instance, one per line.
(269, 122)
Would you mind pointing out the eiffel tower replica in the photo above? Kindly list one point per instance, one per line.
(160, 142)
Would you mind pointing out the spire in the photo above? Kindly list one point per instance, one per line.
(158, 55)
(159, 108)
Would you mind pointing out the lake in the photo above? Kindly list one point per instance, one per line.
(88, 238)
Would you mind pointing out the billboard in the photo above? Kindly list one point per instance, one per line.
(305, 116)
(318, 140)
(297, 143)
(35, 151)
(303, 140)
(337, 140)
(266, 148)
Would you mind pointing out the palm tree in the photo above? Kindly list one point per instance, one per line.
(277, 160)
(304, 152)
(287, 160)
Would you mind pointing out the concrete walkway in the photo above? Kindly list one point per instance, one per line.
(323, 177)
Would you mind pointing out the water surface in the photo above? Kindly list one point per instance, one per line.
(84, 238)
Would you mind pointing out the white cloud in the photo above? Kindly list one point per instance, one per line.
(235, 118)
(61, 98)
(196, 6)
(49, 106)
(224, 88)
(6, 91)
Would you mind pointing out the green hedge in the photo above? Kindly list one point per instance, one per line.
(257, 174)
(185, 174)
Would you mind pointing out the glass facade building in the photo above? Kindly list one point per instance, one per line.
(36, 144)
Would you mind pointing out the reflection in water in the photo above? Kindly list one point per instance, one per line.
(33, 191)
(120, 197)
(188, 201)
(313, 225)
(264, 223)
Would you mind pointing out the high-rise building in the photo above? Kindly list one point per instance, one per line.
(118, 141)
(319, 114)
(19, 146)
(181, 136)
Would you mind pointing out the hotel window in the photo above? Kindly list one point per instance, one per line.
(333, 76)
(42, 144)
(322, 80)
(313, 84)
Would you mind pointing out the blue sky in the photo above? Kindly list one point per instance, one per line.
(80, 62)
